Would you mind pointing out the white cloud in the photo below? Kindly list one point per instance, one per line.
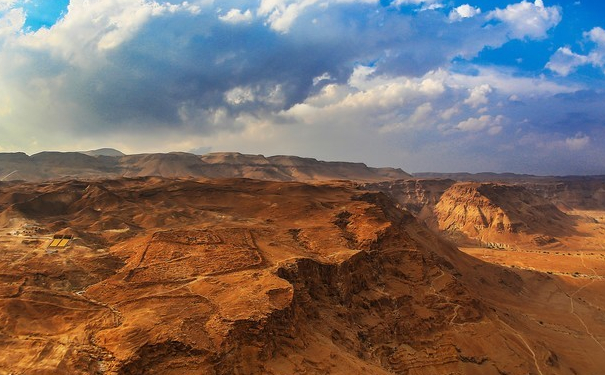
(239, 95)
(237, 16)
(464, 11)
(420, 118)
(495, 130)
(564, 61)
(555, 142)
(475, 124)
(281, 14)
(270, 95)
(447, 114)
(577, 142)
(379, 102)
(414, 2)
(528, 20)
(7, 4)
(478, 96)
(321, 78)
(596, 35)
(91, 28)
(506, 82)
(11, 22)
(421, 5)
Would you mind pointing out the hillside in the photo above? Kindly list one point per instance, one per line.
(237, 276)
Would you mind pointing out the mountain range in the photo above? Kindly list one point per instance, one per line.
(110, 163)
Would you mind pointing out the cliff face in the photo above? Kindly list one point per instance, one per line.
(584, 193)
(496, 212)
(567, 192)
(417, 196)
(489, 212)
(248, 277)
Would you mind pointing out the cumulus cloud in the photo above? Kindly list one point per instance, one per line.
(239, 95)
(281, 14)
(237, 16)
(475, 124)
(421, 117)
(381, 102)
(506, 82)
(11, 22)
(464, 11)
(564, 61)
(91, 29)
(577, 142)
(6, 4)
(528, 20)
(420, 5)
(557, 142)
(478, 96)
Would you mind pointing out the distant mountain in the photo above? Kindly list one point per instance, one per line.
(103, 152)
(111, 163)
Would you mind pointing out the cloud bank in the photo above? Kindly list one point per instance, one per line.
(389, 83)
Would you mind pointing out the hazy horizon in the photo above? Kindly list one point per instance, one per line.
(414, 172)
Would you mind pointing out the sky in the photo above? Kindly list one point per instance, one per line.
(424, 85)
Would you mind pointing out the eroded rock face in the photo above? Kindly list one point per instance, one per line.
(495, 212)
(584, 193)
(249, 277)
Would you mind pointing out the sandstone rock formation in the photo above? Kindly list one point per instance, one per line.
(491, 213)
(499, 213)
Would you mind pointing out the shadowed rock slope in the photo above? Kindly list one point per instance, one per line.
(241, 276)
(489, 212)
(568, 192)
(502, 213)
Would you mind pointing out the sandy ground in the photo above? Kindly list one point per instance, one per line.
(578, 256)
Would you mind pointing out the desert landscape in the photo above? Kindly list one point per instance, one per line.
(310, 274)
(283, 187)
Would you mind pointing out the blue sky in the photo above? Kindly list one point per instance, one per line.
(425, 85)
